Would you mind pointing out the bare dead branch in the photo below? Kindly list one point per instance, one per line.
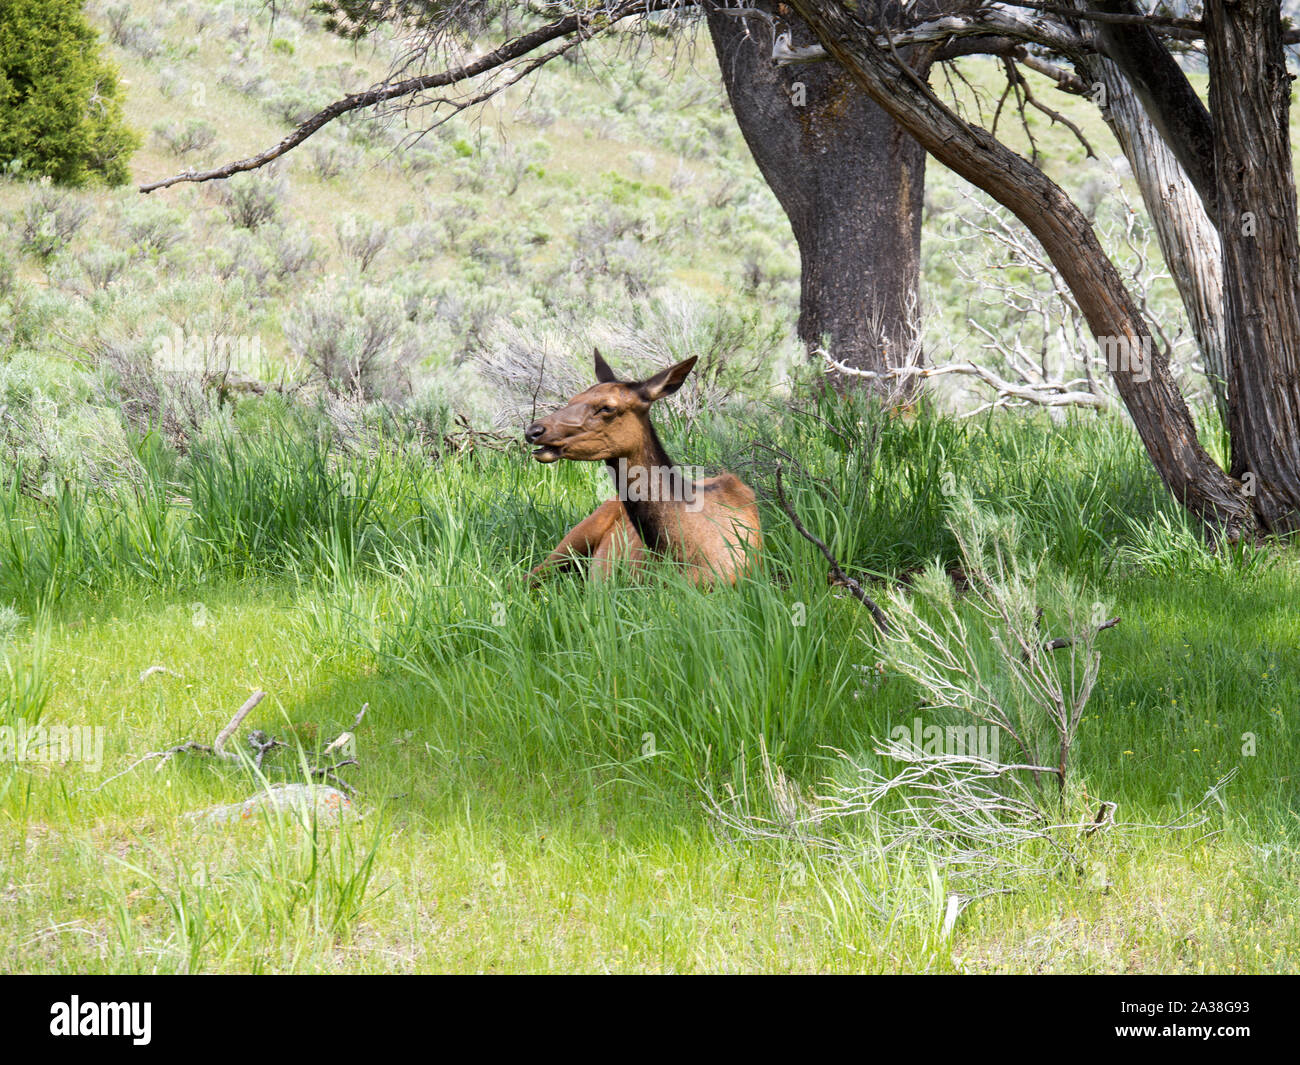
(1165, 22)
(328, 773)
(219, 746)
(1068, 641)
(1066, 80)
(1022, 84)
(837, 572)
(260, 742)
(996, 23)
(1047, 394)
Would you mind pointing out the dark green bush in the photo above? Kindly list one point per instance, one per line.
(60, 102)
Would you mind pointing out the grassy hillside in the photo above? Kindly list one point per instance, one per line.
(534, 764)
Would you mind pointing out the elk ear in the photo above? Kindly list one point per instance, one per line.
(666, 382)
(604, 375)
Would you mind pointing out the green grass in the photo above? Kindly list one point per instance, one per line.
(532, 762)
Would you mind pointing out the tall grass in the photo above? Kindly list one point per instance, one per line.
(294, 897)
(537, 754)
(340, 571)
(276, 500)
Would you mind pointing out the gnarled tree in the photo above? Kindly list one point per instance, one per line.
(1236, 154)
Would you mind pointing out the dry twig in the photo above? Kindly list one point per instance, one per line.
(261, 742)
(837, 571)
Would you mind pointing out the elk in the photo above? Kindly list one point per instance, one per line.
(710, 526)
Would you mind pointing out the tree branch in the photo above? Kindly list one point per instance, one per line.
(584, 25)
(1124, 17)
(837, 572)
(1166, 95)
(996, 21)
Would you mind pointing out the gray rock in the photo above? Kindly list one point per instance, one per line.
(329, 805)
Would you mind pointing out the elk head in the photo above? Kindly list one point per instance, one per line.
(610, 420)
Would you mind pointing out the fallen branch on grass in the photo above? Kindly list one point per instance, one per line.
(837, 571)
(1067, 641)
(327, 773)
(219, 747)
(259, 741)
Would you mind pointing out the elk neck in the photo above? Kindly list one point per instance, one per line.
(649, 465)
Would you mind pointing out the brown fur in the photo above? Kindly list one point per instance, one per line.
(714, 535)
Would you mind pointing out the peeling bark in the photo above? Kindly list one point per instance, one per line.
(1167, 97)
(1250, 99)
(1188, 240)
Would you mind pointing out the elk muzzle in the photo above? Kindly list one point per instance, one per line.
(544, 452)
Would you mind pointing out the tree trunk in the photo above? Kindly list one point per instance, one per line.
(850, 181)
(1187, 237)
(1141, 371)
(1166, 96)
(1250, 99)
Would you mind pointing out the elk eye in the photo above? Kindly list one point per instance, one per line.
(605, 410)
